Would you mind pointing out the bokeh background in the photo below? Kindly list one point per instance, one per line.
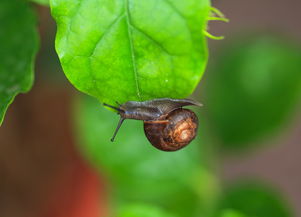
(44, 171)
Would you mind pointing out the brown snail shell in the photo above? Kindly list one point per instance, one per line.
(172, 132)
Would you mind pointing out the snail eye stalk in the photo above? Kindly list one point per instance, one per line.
(120, 120)
(113, 107)
(117, 128)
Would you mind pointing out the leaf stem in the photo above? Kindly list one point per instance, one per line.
(212, 36)
(216, 15)
(223, 19)
(217, 12)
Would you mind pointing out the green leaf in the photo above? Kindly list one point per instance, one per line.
(18, 47)
(255, 200)
(254, 88)
(176, 181)
(142, 210)
(120, 50)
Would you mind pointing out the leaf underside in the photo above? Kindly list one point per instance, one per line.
(120, 50)
(19, 42)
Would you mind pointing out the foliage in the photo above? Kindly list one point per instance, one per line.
(253, 89)
(19, 42)
(255, 200)
(121, 50)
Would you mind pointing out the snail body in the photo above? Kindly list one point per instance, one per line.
(167, 126)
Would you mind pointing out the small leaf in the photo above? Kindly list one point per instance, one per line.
(255, 200)
(19, 42)
(254, 89)
(120, 50)
(138, 171)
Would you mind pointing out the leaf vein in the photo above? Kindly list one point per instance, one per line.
(176, 10)
(118, 18)
(127, 14)
(153, 40)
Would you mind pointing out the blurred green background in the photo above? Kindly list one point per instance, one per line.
(56, 158)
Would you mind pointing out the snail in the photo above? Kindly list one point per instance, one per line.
(167, 125)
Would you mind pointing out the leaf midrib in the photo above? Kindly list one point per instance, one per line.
(128, 21)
